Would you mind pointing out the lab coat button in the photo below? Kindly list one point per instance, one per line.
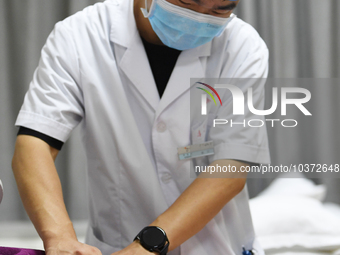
(161, 127)
(166, 178)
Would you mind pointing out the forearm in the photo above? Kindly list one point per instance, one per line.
(40, 189)
(198, 204)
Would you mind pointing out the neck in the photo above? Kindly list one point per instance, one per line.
(143, 25)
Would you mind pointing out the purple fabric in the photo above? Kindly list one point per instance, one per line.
(19, 251)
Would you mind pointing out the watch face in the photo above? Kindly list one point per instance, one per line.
(153, 237)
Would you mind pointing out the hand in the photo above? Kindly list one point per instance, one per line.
(68, 246)
(134, 249)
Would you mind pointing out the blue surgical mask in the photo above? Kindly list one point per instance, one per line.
(181, 28)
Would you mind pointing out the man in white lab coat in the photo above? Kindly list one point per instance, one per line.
(125, 76)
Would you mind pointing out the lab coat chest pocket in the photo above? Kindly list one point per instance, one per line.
(198, 131)
(198, 136)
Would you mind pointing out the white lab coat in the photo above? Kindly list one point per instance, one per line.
(94, 68)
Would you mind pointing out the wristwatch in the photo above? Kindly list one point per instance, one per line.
(153, 238)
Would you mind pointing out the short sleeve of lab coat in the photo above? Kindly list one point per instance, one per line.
(53, 104)
(237, 139)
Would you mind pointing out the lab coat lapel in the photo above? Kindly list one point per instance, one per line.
(188, 66)
(134, 62)
(135, 65)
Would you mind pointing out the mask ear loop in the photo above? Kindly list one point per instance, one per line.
(145, 10)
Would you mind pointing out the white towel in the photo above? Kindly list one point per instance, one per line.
(1, 191)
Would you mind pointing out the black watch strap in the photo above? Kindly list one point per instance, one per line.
(164, 251)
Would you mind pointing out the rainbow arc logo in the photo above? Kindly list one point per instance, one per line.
(204, 96)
